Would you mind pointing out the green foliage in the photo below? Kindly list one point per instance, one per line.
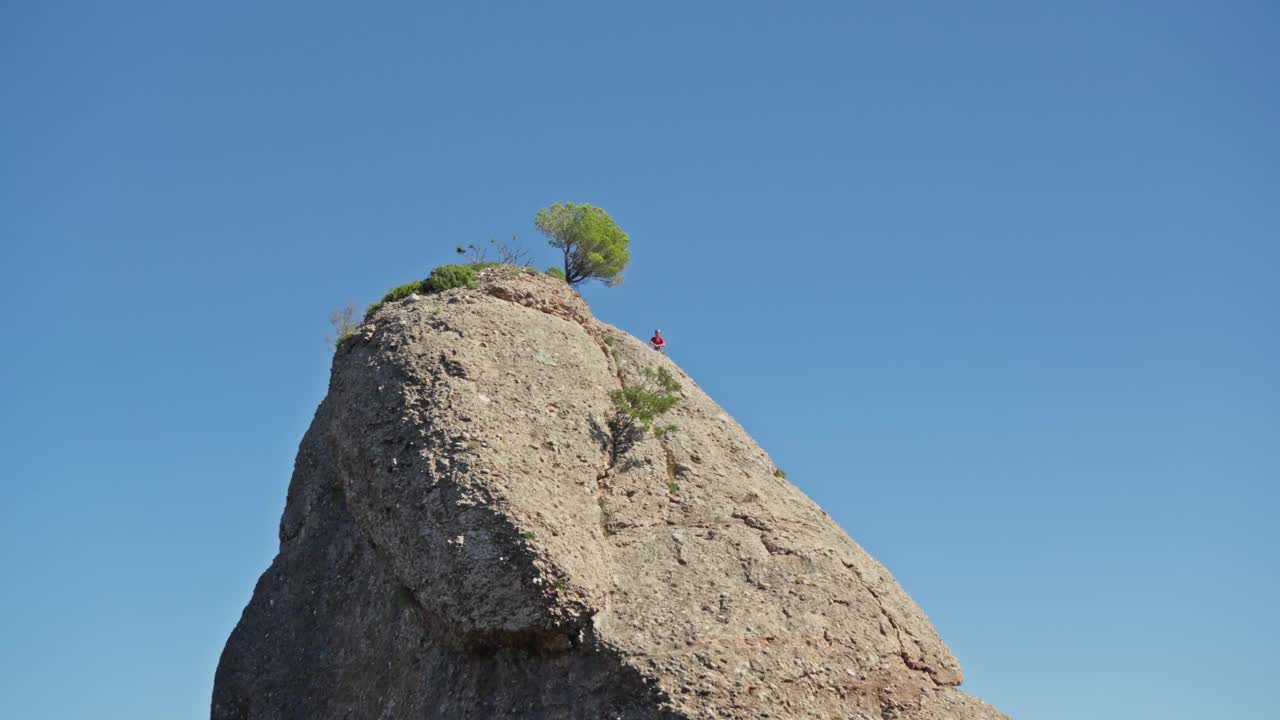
(527, 535)
(673, 487)
(594, 246)
(642, 403)
(635, 407)
(555, 272)
(777, 472)
(448, 277)
(473, 445)
(400, 292)
(343, 326)
(445, 277)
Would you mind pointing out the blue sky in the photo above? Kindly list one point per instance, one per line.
(995, 282)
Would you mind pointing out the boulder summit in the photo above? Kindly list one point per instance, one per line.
(461, 541)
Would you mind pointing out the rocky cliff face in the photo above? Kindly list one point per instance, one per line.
(457, 543)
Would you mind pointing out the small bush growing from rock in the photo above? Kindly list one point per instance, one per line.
(445, 277)
(777, 472)
(399, 292)
(635, 407)
(448, 277)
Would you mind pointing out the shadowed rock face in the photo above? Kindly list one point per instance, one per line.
(458, 544)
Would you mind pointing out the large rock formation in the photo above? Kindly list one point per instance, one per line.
(458, 544)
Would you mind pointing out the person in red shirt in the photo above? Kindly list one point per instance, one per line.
(657, 342)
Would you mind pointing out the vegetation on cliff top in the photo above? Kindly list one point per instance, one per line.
(445, 277)
(594, 247)
(591, 243)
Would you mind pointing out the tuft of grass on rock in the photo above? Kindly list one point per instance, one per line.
(343, 326)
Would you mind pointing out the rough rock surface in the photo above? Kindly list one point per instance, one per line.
(457, 544)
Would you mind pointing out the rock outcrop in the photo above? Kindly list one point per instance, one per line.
(457, 543)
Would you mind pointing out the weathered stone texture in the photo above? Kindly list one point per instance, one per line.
(457, 544)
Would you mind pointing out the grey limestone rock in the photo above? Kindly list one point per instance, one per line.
(457, 543)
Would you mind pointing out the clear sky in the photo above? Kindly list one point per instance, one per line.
(995, 282)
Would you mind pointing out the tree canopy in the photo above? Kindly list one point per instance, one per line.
(594, 246)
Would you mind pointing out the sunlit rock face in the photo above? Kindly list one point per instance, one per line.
(459, 542)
